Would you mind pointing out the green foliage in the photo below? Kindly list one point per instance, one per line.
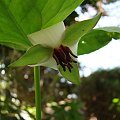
(93, 41)
(113, 32)
(72, 76)
(20, 18)
(97, 38)
(26, 17)
(98, 93)
(34, 15)
(59, 11)
(77, 30)
(10, 31)
(36, 54)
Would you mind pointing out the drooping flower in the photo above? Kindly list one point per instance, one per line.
(52, 37)
(56, 47)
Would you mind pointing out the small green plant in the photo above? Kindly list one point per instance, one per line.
(37, 28)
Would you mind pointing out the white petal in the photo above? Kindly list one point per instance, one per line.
(51, 63)
(73, 48)
(51, 36)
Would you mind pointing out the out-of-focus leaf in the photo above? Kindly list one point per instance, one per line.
(110, 29)
(114, 32)
(97, 39)
(93, 41)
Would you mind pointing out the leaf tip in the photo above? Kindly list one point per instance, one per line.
(77, 82)
(11, 65)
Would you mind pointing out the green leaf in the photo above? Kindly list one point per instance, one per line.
(18, 18)
(92, 41)
(97, 39)
(77, 30)
(33, 15)
(72, 76)
(58, 10)
(114, 32)
(36, 54)
(110, 29)
(10, 31)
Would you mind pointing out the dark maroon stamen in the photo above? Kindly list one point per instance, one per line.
(63, 56)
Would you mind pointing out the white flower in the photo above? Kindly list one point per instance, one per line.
(56, 47)
(51, 37)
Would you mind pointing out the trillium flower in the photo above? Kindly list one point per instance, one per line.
(52, 38)
(56, 47)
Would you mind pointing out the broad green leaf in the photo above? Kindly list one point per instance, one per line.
(76, 31)
(97, 39)
(55, 11)
(18, 18)
(36, 54)
(34, 15)
(10, 31)
(92, 41)
(72, 76)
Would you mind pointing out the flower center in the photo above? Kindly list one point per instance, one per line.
(63, 56)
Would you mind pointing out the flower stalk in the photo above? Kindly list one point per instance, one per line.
(37, 92)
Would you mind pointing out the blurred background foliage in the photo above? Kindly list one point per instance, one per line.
(98, 96)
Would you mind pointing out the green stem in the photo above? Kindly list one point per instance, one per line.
(37, 92)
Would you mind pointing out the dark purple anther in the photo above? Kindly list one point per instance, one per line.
(63, 56)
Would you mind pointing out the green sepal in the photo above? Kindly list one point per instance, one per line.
(76, 31)
(72, 76)
(35, 55)
(97, 39)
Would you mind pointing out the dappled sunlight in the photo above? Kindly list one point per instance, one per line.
(93, 118)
